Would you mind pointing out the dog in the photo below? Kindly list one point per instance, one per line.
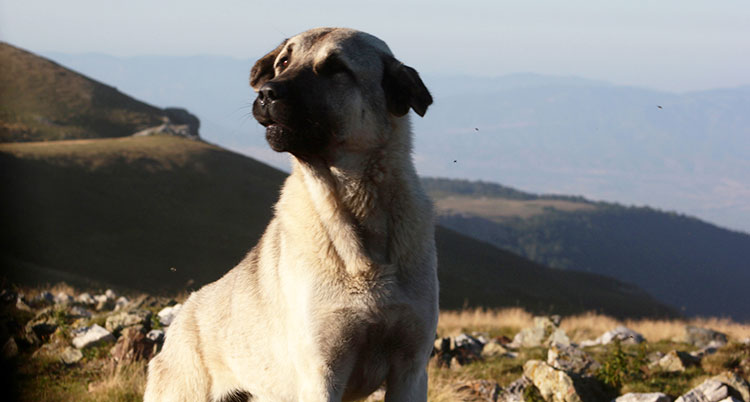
(340, 295)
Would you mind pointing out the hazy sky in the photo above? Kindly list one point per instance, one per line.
(676, 45)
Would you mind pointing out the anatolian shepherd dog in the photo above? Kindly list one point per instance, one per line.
(340, 295)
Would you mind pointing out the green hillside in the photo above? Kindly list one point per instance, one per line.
(682, 261)
(166, 214)
(41, 100)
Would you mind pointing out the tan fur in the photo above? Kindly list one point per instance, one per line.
(340, 294)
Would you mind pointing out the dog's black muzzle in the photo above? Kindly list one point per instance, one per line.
(292, 120)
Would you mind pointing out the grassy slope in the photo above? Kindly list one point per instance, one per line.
(126, 211)
(683, 261)
(41, 100)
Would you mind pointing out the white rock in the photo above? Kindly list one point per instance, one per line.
(156, 335)
(624, 334)
(100, 298)
(111, 295)
(92, 336)
(709, 391)
(121, 302)
(168, 314)
(79, 312)
(643, 397)
(85, 298)
(63, 298)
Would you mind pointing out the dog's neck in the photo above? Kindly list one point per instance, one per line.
(357, 194)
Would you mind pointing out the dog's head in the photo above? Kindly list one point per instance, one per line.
(333, 88)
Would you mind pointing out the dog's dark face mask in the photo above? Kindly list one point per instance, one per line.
(311, 97)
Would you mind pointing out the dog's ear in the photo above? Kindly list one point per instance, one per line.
(262, 71)
(404, 89)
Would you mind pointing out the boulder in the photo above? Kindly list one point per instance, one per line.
(70, 356)
(181, 116)
(479, 390)
(92, 336)
(104, 303)
(702, 337)
(676, 361)
(471, 344)
(571, 359)
(116, 322)
(156, 335)
(111, 295)
(79, 312)
(493, 349)
(558, 337)
(168, 314)
(643, 397)
(133, 345)
(514, 392)
(41, 325)
(709, 391)
(529, 338)
(735, 383)
(64, 298)
(554, 385)
(85, 299)
(623, 334)
(121, 303)
(44, 298)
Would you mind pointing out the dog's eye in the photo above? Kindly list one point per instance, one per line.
(283, 63)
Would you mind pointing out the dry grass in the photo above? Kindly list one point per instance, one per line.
(454, 322)
(124, 383)
(582, 326)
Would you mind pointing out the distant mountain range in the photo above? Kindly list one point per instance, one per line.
(166, 214)
(567, 135)
(682, 261)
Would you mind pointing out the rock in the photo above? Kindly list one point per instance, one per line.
(104, 303)
(71, 356)
(133, 345)
(558, 337)
(168, 314)
(709, 391)
(538, 335)
(10, 349)
(86, 299)
(640, 397)
(121, 303)
(181, 116)
(529, 338)
(623, 334)
(156, 335)
(116, 322)
(571, 359)
(92, 336)
(63, 298)
(111, 295)
(736, 383)
(21, 305)
(554, 385)
(479, 390)
(676, 361)
(470, 343)
(493, 349)
(44, 298)
(515, 390)
(79, 312)
(41, 325)
(177, 130)
(702, 337)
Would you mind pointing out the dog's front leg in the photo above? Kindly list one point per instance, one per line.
(406, 386)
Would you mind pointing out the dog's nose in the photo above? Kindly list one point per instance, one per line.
(271, 91)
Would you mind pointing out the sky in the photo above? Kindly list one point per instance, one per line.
(672, 45)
